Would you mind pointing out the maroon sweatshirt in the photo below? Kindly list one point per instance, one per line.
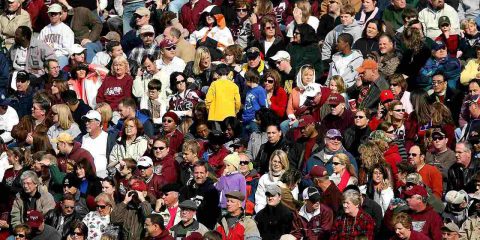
(113, 90)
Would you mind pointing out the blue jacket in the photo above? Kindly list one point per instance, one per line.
(255, 99)
(22, 103)
(449, 66)
(4, 71)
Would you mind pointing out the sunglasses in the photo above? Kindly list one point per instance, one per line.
(19, 235)
(242, 10)
(413, 154)
(359, 117)
(77, 233)
(269, 28)
(22, 80)
(336, 163)
(394, 84)
(148, 34)
(101, 207)
(158, 148)
(269, 81)
(336, 138)
(171, 48)
(69, 207)
(181, 81)
(167, 120)
(244, 162)
(140, 168)
(399, 110)
(437, 138)
(53, 14)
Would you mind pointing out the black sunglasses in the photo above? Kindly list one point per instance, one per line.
(270, 81)
(22, 80)
(242, 10)
(167, 120)
(336, 163)
(19, 235)
(158, 148)
(359, 117)
(69, 207)
(181, 81)
(244, 162)
(394, 84)
(101, 206)
(438, 138)
(399, 110)
(171, 48)
(413, 154)
(336, 138)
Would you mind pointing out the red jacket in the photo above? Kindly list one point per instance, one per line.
(113, 90)
(452, 43)
(429, 222)
(154, 186)
(167, 168)
(76, 155)
(176, 140)
(392, 157)
(216, 161)
(189, 17)
(432, 178)
(279, 102)
(319, 226)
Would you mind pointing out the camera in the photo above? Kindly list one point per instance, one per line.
(133, 194)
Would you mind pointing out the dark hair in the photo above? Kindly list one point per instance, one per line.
(379, 23)
(367, 112)
(154, 84)
(18, 152)
(406, 167)
(234, 123)
(292, 176)
(157, 219)
(409, 12)
(212, 235)
(307, 34)
(111, 44)
(398, 78)
(149, 57)
(162, 139)
(346, 37)
(276, 125)
(80, 225)
(222, 70)
(87, 166)
(69, 96)
(200, 164)
(129, 102)
(68, 196)
(26, 32)
(439, 72)
(383, 168)
(173, 80)
(252, 76)
(267, 117)
(267, 19)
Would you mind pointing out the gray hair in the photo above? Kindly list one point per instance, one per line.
(466, 145)
(106, 198)
(30, 174)
(352, 196)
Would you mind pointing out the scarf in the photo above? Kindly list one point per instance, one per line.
(344, 181)
(274, 177)
(363, 17)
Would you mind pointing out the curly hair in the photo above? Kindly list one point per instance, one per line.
(370, 154)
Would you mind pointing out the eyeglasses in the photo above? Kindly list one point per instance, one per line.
(244, 162)
(69, 207)
(148, 34)
(437, 82)
(242, 10)
(413, 154)
(181, 81)
(158, 148)
(336, 163)
(20, 235)
(438, 138)
(399, 110)
(53, 14)
(269, 81)
(102, 206)
(167, 120)
(269, 28)
(335, 138)
(359, 117)
(171, 48)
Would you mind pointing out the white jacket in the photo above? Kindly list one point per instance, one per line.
(222, 35)
(59, 37)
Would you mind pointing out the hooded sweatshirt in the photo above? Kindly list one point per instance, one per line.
(220, 33)
(301, 93)
(354, 29)
(345, 66)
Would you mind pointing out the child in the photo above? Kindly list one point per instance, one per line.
(231, 179)
(152, 101)
(255, 99)
(451, 40)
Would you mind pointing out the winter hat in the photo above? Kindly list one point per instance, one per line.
(379, 135)
(232, 159)
(173, 116)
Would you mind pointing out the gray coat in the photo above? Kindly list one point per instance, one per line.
(372, 98)
(37, 53)
(44, 203)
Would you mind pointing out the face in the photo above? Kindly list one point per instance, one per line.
(399, 3)
(160, 149)
(150, 66)
(414, 156)
(414, 202)
(333, 6)
(242, 12)
(438, 4)
(55, 17)
(307, 76)
(229, 59)
(80, 172)
(439, 83)
(372, 30)
(81, 73)
(117, 51)
(53, 69)
(439, 142)
(29, 186)
(153, 94)
(20, 235)
(337, 110)
(471, 29)
(377, 176)
(77, 234)
(445, 28)
(346, 19)
(440, 53)
(141, 20)
(449, 235)
(368, 5)
(200, 175)
(13, 6)
(401, 231)
(210, 19)
(276, 164)
(253, 62)
(206, 61)
(269, 30)
(269, 84)
(54, 89)
(130, 129)
(79, 58)
(12, 158)
(229, 132)
(273, 134)
(150, 227)
(361, 119)
(342, 46)
(120, 69)
(67, 207)
(385, 45)
(333, 86)
(187, 215)
(395, 88)
(296, 36)
(168, 124)
(398, 112)
(203, 131)
(233, 205)
(189, 156)
(181, 83)
(333, 144)
(349, 208)
(473, 88)
(108, 188)
(22, 85)
(338, 167)
(462, 154)
(273, 200)
(147, 38)
(103, 208)
(170, 198)
(169, 53)
(308, 130)
(243, 167)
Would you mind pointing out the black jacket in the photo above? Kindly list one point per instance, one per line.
(263, 157)
(353, 137)
(278, 44)
(274, 221)
(461, 178)
(52, 218)
(453, 100)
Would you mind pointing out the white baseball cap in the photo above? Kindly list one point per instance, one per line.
(145, 161)
(92, 114)
(281, 55)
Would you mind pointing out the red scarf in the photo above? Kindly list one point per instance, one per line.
(344, 181)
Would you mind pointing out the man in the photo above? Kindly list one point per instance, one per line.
(349, 25)
(37, 52)
(339, 117)
(167, 205)
(155, 229)
(86, 26)
(13, 17)
(169, 130)
(131, 39)
(393, 13)
(330, 196)
(149, 72)
(441, 62)
(450, 231)
(98, 142)
(52, 72)
(8, 119)
(317, 216)
(235, 225)
(275, 219)
(431, 176)
(429, 17)
(368, 86)
(357, 133)
(190, 13)
(333, 145)
(424, 218)
(471, 227)
(130, 212)
(32, 197)
(40, 230)
(284, 66)
(254, 62)
(188, 224)
(71, 186)
(203, 192)
(128, 109)
(70, 150)
(185, 50)
(103, 57)
(276, 141)
(345, 61)
(58, 35)
(148, 46)
(78, 108)
(77, 58)
(61, 217)
(456, 209)
(309, 138)
(22, 99)
(441, 156)
(40, 108)
(168, 61)
(461, 174)
(154, 182)
(442, 92)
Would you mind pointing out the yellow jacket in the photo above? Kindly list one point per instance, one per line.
(470, 72)
(223, 100)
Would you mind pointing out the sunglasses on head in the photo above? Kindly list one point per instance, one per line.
(158, 148)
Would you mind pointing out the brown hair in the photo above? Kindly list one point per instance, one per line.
(403, 219)
(348, 9)
(398, 78)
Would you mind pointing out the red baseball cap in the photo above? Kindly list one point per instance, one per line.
(386, 95)
(34, 219)
(305, 120)
(317, 172)
(138, 185)
(416, 190)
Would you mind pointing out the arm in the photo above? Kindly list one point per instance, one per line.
(96, 27)
(16, 213)
(437, 181)
(57, 175)
(210, 96)
(238, 102)
(118, 214)
(260, 200)
(101, 93)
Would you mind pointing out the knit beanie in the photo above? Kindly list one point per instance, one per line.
(232, 159)
(173, 116)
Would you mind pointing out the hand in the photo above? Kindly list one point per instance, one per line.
(85, 42)
(292, 121)
(253, 18)
(140, 196)
(159, 204)
(297, 15)
(3, 224)
(190, 80)
(45, 162)
(358, 81)
(140, 72)
(29, 138)
(128, 197)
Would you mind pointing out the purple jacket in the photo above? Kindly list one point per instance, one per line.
(232, 182)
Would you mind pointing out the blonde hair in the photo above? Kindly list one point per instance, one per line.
(192, 146)
(370, 154)
(283, 159)
(468, 22)
(200, 53)
(65, 118)
(106, 198)
(345, 160)
(120, 60)
(306, 8)
(106, 112)
(340, 83)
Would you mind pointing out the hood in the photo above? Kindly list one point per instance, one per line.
(217, 13)
(348, 28)
(299, 79)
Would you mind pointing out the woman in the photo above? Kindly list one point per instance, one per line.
(116, 86)
(419, 120)
(21, 232)
(11, 177)
(251, 178)
(62, 122)
(368, 13)
(276, 96)
(86, 80)
(354, 222)
(379, 187)
(78, 231)
(198, 72)
(297, 103)
(368, 43)
(91, 185)
(399, 86)
(343, 172)
(261, 9)
(302, 13)
(232, 128)
(270, 43)
(164, 163)
(58, 86)
(240, 26)
(97, 221)
(109, 186)
(132, 143)
(471, 38)
(396, 116)
(39, 140)
(388, 61)
(278, 164)
(303, 48)
(183, 99)
(106, 112)
(233, 57)
(402, 224)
